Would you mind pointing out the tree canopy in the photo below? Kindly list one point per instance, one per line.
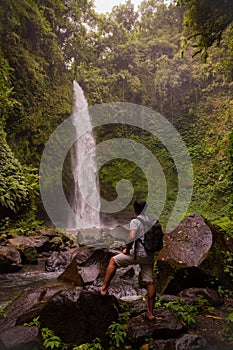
(206, 21)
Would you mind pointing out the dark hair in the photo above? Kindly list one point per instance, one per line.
(139, 205)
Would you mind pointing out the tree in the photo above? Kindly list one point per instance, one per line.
(205, 21)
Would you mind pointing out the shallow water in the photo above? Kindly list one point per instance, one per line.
(11, 284)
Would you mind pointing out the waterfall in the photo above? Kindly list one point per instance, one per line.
(85, 199)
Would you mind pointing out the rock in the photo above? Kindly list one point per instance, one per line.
(40, 243)
(86, 266)
(25, 245)
(48, 232)
(89, 237)
(80, 317)
(2, 345)
(165, 326)
(55, 243)
(27, 305)
(10, 260)
(58, 261)
(196, 342)
(88, 269)
(192, 257)
(20, 337)
(192, 295)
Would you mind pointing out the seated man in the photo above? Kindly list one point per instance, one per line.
(135, 255)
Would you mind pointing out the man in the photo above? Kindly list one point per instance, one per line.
(138, 226)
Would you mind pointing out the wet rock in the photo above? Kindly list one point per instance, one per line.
(125, 284)
(20, 337)
(2, 345)
(40, 243)
(192, 295)
(10, 260)
(192, 257)
(27, 305)
(55, 243)
(58, 261)
(25, 245)
(80, 318)
(196, 342)
(89, 237)
(86, 266)
(48, 232)
(165, 326)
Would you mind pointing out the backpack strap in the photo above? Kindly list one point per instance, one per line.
(138, 239)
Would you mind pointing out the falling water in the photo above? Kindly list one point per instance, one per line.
(85, 200)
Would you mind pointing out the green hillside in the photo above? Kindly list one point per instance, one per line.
(153, 58)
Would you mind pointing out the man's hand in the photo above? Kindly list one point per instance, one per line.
(124, 251)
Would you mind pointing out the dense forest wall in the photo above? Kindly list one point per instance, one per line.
(125, 56)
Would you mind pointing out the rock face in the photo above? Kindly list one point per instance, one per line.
(191, 257)
(10, 260)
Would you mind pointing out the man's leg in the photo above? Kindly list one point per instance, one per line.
(150, 298)
(110, 272)
(147, 276)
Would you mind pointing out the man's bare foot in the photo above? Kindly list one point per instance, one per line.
(149, 316)
(102, 291)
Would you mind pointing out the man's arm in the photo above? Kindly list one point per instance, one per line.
(130, 239)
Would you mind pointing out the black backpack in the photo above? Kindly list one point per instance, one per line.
(153, 238)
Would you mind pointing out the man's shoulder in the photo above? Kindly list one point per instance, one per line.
(146, 218)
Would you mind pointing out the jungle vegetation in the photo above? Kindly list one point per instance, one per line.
(176, 59)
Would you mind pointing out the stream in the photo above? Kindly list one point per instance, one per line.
(11, 284)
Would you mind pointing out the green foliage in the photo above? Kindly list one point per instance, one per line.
(228, 329)
(3, 307)
(206, 21)
(18, 185)
(117, 333)
(124, 317)
(228, 263)
(224, 225)
(50, 340)
(94, 345)
(185, 312)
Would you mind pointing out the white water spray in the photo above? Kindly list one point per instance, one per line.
(85, 201)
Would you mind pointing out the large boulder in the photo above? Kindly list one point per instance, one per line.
(28, 304)
(87, 265)
(80, 317)
(197, 342)
(209, 296)
(89, 236)
(58, 261)
(19, 338)
(88, 269)
(165, 326)
(26, 247)
(10, 260)
(192, 257)
(76, 316)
